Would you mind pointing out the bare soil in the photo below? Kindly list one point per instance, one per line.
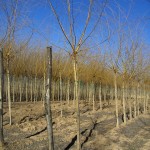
(29, 131)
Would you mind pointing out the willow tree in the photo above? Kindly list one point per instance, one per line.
(76, 39)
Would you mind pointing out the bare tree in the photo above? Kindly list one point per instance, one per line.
(76, 45)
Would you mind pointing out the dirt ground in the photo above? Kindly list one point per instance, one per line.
(29, 132)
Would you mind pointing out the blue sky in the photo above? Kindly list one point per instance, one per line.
(41, 18)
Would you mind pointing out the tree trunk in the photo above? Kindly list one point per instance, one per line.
(35, 90)
(53, 91)
(68, 90)
(9, 98)
(135, 101)
(13, 89)
(138, 107)
(60, 86)
(77, 102)
(130, 107)
(100, 96)
(20, 90)
(93, 97)
(1, 99)
(26, 89)
(124, 107)
(116, 99)
(31, 91)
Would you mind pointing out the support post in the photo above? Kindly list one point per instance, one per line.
(48, 99)
(1, 98)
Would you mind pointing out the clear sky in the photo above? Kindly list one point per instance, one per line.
(42, 20)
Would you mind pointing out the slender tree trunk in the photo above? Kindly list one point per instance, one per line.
(9, 98)
(48, 99)
(44, 89)
(6, 92)
(105, 94)
(60, 85)
(100, 96)
(116, 99)
(68, 90)
(13, 89)
(130, 107)
(20, 89)
(77, 102)
(135, 102)
(138, 107)
(93, 97)
(124, 107)
(144, 105)
(74, 94)
(87, 91)
(53, 91)
(31, 90)
(35, 89)
(1, 99)
(26, 89)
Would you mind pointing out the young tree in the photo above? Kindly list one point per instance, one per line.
(76, 46)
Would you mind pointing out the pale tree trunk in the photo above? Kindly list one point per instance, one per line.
(124, 107)
(48, 99)
(60, 85)
(138, 91)
(6, 93)
(116, 99)
(20, 89)
(13, 89)
(77, 102)
(79, 90)
(26, 89)
(74, 93)
(144, 105)
(1, 99)
(87, 91)
(9, 98)
(100, 96)
(68, 90)
(31, 90)
(147, 98)
(135, 102)
(53, 94)
(35, 89)
(130, 107)
(44, 85)
(90, 94)
(93, 96)
(105, 94)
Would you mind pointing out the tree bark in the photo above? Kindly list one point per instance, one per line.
(13, 89)
(60, 85)
(68, 91)
(8, 86)
(100, 96)
(116, 99)
(124, 107)
(77, 102)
